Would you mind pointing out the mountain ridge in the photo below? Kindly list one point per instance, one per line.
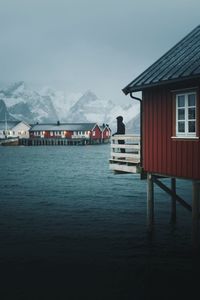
(48, 105)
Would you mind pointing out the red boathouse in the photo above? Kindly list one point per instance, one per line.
(170, 121)
(66, 134)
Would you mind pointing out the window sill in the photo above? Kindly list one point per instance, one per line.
(185, 137)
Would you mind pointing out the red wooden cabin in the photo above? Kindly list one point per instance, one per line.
(170, 121)
(171, 111)
(105, 133)
(95, 134)
(90, 132)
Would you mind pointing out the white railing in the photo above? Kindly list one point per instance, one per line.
(125, 153)
(80, 137)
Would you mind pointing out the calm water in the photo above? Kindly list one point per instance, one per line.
(71, 229)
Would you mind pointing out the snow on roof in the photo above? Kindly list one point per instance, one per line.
(63, 127)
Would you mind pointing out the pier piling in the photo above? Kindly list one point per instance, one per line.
(195, 214)
(173, 200)
(150, 202)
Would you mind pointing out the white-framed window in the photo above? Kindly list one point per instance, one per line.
(93, 133)
(186, 114)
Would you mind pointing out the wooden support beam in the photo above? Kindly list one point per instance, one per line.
(195, 214)
(173, 194)
(173, 200)
(150, 202)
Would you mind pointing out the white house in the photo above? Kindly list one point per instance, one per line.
(14, 129)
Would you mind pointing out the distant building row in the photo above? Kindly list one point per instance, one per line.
(55, 134)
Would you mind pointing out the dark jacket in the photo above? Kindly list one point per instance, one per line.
(120, 127)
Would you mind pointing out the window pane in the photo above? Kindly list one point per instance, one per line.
(191, 126)
(191, 113)
(181, 101)
(181, 126)
(191, 100)
(181, 114)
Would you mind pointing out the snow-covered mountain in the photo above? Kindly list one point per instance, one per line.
(89, 108)
(48, 105)
(61, 101)
(23, 103)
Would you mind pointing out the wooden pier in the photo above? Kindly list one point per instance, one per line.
(125, 153)
(125, 158)
(61, 141)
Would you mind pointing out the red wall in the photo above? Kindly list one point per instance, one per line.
(68, 135)
(97, 133)
(161, 153)
(105, 132)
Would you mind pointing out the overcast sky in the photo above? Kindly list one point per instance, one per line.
(76, 45)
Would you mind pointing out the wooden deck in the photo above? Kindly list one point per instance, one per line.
(125, 158)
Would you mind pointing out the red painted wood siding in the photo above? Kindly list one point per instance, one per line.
(67, 134)
(106, 134)
(47, 134)
(161, 153)
(97, 133)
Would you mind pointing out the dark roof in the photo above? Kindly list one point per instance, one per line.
(104, 127)
(181, 62)
(63, 127)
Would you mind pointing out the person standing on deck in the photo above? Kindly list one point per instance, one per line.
(120, 130)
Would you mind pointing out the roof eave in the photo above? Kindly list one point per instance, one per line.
(127, 90)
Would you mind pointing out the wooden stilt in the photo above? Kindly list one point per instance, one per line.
(195, 214)
(150, 202)
(173, 200)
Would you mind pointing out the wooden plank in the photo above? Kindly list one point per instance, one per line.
(126, 137)
(190, 166)
(179, 153)
(145, 136)
(184, 157)
(125, 162)
(123, 168)
(131, 136)
(133, 161)
(125, 155)
(196, 154)
(169, 130)
(155, 125)
(125, 146)
(149, 149)
(160, 132)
